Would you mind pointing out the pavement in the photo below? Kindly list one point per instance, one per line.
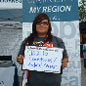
(83, 73)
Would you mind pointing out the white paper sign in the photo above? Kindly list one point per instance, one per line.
(43, 59)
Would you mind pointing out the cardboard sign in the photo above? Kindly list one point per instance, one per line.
(43, 59)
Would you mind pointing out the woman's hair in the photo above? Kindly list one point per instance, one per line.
(34, 34)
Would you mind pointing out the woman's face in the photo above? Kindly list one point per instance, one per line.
(42, 27)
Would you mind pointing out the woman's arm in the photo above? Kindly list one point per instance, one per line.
(20, 56)
(20, 59)
(65, 62)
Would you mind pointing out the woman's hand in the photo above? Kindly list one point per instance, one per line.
(64, 62)
(20, 59)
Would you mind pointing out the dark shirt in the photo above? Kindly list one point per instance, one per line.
(57, 42)
(42, 78)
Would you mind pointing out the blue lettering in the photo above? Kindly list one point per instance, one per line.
(41, 59)
(39, 65)
(46, 65)
(37, 53)
(33, 59)
(30, 64)
(35, 65)
(37, 59)
(54, 59)
(50, 60)
(45, 53)
(50, 66)
(32, 53)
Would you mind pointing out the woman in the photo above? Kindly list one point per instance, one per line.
(41, 36)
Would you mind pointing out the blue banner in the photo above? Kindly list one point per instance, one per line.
(57, 10)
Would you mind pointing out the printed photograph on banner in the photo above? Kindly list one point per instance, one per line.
(10, 37)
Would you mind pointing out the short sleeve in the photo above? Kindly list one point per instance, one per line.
(83, 46)
(22, 47)
(59, 43)
(65, 51)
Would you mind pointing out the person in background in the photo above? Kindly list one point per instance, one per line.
(84, 52)
(41, 36)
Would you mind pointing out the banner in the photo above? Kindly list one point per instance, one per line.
(65, 24)
(10, 4)
(58, 10)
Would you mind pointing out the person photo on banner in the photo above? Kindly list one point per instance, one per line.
(41, 36)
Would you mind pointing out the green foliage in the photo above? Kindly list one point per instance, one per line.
(82, 10)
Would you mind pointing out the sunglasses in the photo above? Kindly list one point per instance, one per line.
(44, 23)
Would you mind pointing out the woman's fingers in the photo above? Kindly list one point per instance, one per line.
(64, 63)
(20, 59)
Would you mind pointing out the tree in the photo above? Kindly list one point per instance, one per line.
(82, 10)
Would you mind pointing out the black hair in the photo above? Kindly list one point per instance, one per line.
(38, 19)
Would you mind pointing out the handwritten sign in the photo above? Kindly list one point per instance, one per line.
(43, 59)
